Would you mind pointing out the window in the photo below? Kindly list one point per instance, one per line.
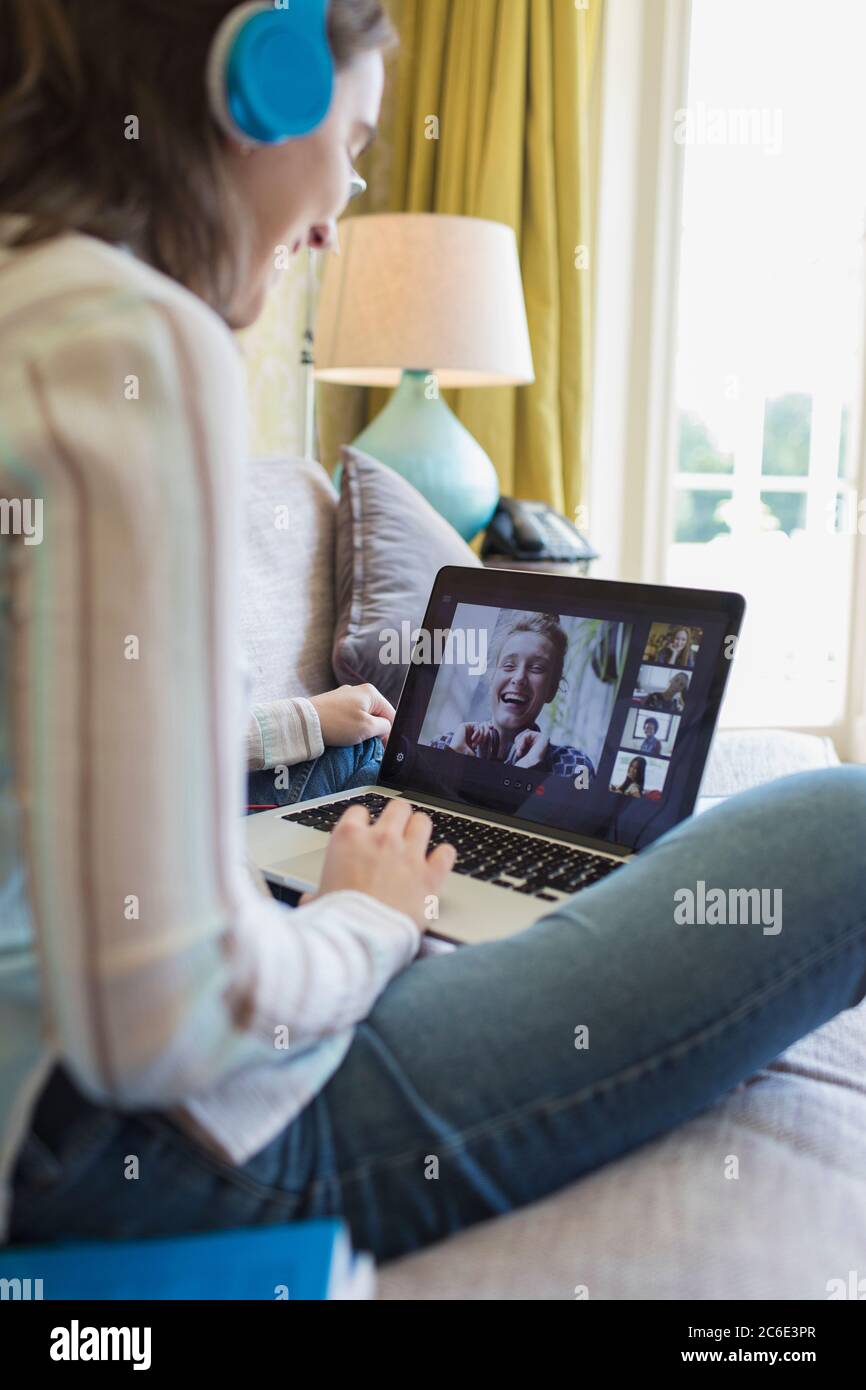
(768, 374)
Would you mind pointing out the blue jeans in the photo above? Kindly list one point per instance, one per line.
(340, 770)
(469, 1090)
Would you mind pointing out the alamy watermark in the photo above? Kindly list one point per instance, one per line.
(442, 647)
(853, 1287)
(729, 907)
(21, 1290)
(22, 516)
(730, 126)
(85, 1343)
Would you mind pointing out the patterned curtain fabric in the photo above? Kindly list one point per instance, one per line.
(491, 116)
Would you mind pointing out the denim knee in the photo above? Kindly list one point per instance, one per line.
(835, 803)
(372, 750)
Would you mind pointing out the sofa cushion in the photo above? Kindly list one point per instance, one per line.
(666, 1222)
(391, 544)
(287, 597)
(753, 757)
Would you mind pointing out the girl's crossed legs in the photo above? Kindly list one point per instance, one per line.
(489, 1077)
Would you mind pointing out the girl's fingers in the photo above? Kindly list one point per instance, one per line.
(440, 863)
(395, 817)
(418, 832)
(357, 816)
(378, 728)
(380, 706)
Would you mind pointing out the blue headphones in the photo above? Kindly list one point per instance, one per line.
(271, 71)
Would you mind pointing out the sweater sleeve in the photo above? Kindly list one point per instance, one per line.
(283, 733)
(165, 970)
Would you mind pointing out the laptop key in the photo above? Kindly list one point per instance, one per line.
(491, 854)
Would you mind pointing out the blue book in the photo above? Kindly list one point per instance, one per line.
(301, 1261)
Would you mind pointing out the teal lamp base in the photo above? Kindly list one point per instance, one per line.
(423, 441)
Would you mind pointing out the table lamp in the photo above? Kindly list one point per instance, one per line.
(425, 302)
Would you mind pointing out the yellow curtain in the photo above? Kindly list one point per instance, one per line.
(510, 84)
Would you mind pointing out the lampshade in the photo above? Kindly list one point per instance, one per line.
(422, 292)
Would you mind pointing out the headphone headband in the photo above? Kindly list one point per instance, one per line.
(270, 72)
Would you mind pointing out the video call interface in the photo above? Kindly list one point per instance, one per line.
(582, 722)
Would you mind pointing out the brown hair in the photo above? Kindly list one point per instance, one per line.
(667, 644)
(73, 72)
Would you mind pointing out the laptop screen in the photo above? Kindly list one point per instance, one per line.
(580, 706)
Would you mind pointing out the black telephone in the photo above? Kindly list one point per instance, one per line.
(533, 532)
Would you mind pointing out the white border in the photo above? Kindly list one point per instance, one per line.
(645, 75)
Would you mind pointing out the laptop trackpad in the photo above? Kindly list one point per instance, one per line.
(305, 871)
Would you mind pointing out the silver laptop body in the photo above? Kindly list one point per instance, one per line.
(658, 661)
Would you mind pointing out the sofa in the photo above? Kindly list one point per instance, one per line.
(663, 1222)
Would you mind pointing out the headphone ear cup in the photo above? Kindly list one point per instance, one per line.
(272, 71)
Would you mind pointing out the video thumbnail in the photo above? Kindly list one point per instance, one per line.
(639, 777)
(654, 735)
(661, 690)
(545, 699)
(673, 646)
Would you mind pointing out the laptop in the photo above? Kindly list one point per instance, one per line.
(553, 728)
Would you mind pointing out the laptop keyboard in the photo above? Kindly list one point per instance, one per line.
(492, 853)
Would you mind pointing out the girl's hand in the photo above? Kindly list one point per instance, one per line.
(529, 748)
(353, 714)
(388, 860)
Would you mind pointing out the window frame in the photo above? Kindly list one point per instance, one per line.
(633, 486)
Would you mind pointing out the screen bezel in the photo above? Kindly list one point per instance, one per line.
(532, 589)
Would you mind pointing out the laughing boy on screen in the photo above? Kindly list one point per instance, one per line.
(527, 676)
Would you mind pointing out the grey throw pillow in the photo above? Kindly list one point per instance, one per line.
(391, 544)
